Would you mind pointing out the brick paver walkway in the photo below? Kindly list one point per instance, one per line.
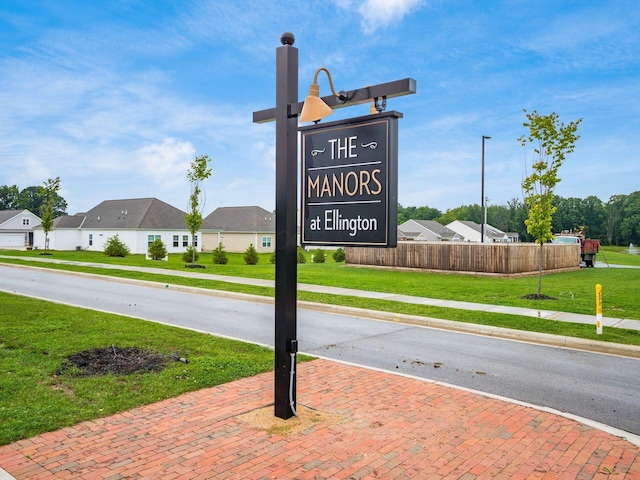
(378, 425)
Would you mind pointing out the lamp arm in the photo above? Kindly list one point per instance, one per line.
(342, 95)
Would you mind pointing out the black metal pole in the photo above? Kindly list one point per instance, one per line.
(286, 224)
(483, 206)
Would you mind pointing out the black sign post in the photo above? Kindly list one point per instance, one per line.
(350, 182)
(285, 115)
(286, 220)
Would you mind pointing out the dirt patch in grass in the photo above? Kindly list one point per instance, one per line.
(112, 360)
(535, 296)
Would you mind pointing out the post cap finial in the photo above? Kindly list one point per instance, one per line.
(287, 38)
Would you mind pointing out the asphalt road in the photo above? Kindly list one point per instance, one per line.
(602, 388)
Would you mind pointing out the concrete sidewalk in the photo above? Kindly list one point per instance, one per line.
(354, 423)
(528, 312)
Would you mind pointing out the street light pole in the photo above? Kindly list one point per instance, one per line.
(482, 200)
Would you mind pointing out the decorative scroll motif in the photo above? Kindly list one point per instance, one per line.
(371, 145)
(316, 152)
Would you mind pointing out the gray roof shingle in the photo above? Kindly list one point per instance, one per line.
(437, 227)
(69, 221)
(6, 215)
(241, 219)
(134, 214)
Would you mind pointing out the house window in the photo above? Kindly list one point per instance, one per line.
(90, 239)
(25, 221)
(151, 238)
(176, 240)
(266, 242)
(195, 241)
(185, 240)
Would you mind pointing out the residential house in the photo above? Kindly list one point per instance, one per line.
(427, 230)
(16, 228)
(238, 227)
(471, 231)
(513, 237)
(405, 236)
(137, 222)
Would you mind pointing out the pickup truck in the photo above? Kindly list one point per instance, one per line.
(588, 247)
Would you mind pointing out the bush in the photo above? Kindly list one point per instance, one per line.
(339, 255)
(190, 255)
(319, 256)
(220, 256)
(251, 256)
(115, 248)
(272, 258)
(157, 250)
(301, 256)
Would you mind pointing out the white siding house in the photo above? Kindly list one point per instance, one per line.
(16, 229)
(471, 231)
(427, 230)
(137, 222)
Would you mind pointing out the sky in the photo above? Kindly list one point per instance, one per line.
(117, 97)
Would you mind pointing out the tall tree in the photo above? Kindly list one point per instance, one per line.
(499, 216)
(31, 199)
(472, 213)
(552, 141)
(9, 197)
(198, 172)
(614, 209)
(517, 215)
(568, 215)
(49, 193)
(630, 224)
(594, 216)
(59, 206)
(417, 213)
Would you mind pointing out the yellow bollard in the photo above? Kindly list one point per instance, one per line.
(599, 309)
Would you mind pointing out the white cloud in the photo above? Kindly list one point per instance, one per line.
(266, 151)
(382, 13)
(167, 162)
(32, 172)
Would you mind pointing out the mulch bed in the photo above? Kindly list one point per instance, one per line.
(113, 360)
(535, 296)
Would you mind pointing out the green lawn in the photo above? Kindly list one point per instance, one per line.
(618, 256)
(573, 291)
(36, 337)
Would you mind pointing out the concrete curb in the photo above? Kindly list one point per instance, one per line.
(560, 341)
(5, 476)
(632, 351)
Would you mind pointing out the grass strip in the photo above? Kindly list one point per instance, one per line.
(572, 291)
(517, 322)
(38, 395)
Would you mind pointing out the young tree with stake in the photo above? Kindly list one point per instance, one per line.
(49, 191)
(198, 172)
(552, 141)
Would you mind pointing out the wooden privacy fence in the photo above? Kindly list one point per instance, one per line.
(487, 258)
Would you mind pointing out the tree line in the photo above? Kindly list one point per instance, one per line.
(34, 198)
(615, 222)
